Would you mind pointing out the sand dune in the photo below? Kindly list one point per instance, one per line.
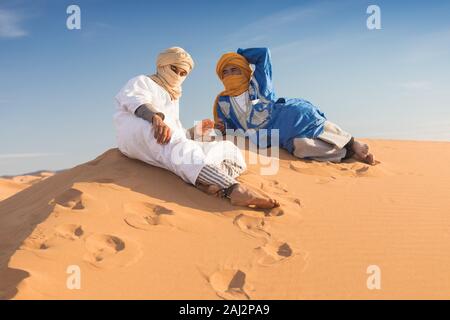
(12, 185)
(139, 232)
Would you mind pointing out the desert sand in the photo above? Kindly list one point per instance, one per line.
(12, 185)
(139, 232)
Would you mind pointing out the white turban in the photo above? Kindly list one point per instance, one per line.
(165, 76)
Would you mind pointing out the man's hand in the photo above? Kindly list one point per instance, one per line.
(203, 127)
(161, 130)
(220, 126)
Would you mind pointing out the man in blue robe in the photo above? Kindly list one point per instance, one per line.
(249, 103)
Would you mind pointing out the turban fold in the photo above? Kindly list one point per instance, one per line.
(234, 84)
(165, 76)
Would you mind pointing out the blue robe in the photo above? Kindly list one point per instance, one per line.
(294, 118)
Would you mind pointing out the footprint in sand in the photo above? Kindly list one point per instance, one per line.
(69, 231)
(146, 216)
(252, 226)
(35, 244)
(230, 284)
(275, 212)
(329, 171)
(361, 170)
(297, 201)
(71, 198)
(274, 184)
(109, 251)
(325, 180)
(38, 240)
(353, 169)
(273, 252)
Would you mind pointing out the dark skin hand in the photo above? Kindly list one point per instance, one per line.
(220, 126)
(204, 126)
(162, 131)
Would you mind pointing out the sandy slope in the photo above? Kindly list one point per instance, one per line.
(136, 231)
(12, 185)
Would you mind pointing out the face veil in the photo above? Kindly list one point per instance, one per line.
(234, 84)
(166, 77)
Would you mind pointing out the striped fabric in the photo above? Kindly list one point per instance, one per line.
(232, 168)
(217, 175)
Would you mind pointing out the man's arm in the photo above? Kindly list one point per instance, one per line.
(162, 131)
(147, 111)
(201, 129)
(261, 58)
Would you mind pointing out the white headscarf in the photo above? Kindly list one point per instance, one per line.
(166, 77)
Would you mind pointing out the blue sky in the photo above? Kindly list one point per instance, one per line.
(57, 86)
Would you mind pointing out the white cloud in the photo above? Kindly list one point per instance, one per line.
(416, 85)
(271, 28)
(10, 24)
(260, 28)
(27, 155)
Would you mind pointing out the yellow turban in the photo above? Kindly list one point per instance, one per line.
(234, 84)
(165, 77)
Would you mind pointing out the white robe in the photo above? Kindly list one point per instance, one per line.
(182, 156)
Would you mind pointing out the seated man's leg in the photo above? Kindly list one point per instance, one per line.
(316, 149)
(333, 144)
(232, 168)
(334, 135)
(215, 180)
(355, 149)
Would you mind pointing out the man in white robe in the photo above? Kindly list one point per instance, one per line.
(148, 128)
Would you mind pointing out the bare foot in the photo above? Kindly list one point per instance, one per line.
(211, 189)
(362, 153)
(242, 196)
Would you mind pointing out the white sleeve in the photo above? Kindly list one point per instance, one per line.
(134, 94)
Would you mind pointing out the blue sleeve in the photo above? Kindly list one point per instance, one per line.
(260, 57)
